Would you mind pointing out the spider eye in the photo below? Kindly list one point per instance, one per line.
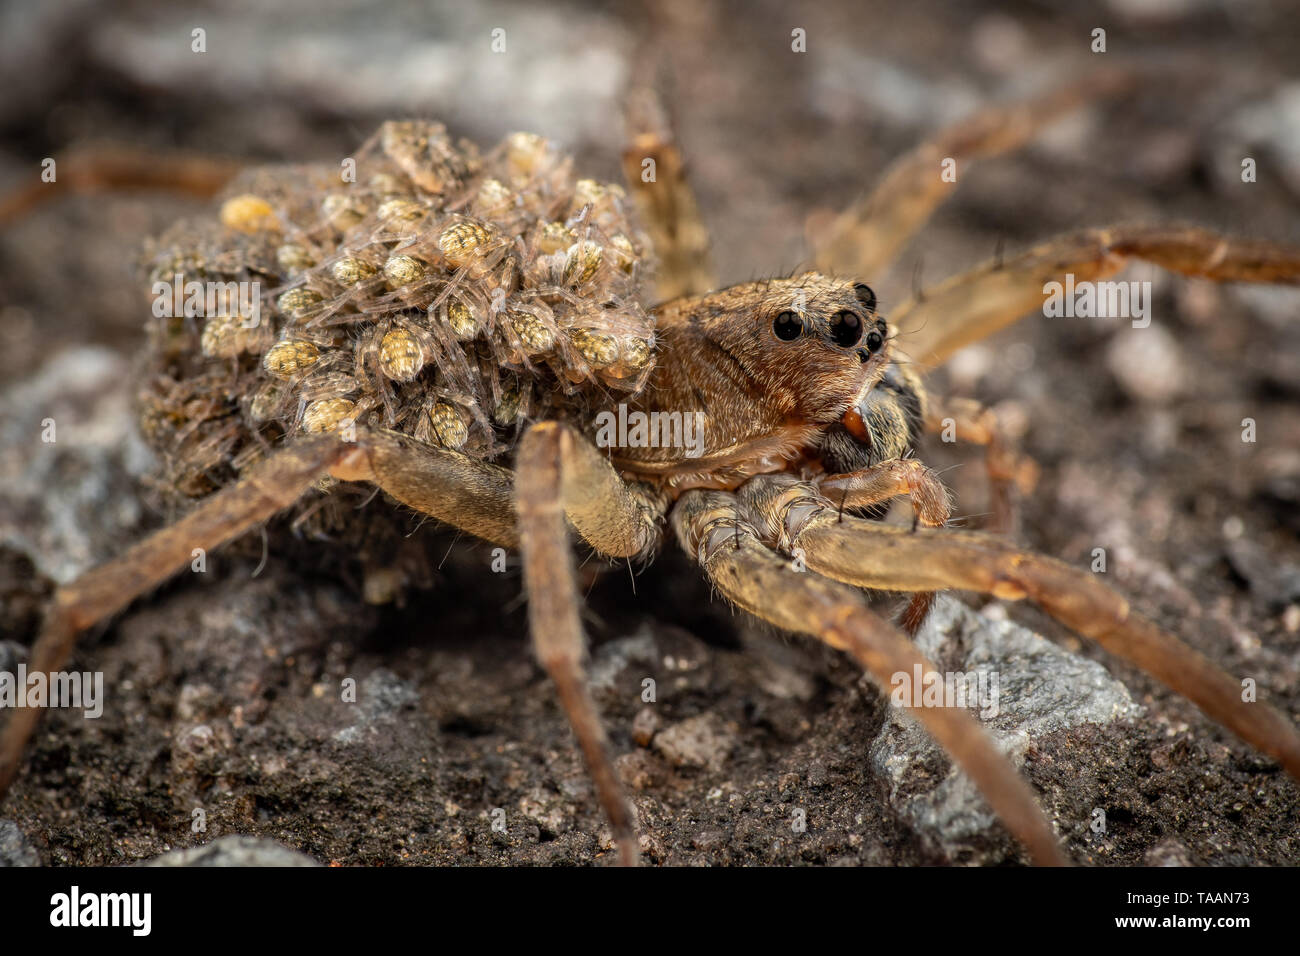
(865, 296)
(874, 341)
(787, 326)
(846, 329)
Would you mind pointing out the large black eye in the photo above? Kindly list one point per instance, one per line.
(846, 329)
(865, 296)
(787, 326)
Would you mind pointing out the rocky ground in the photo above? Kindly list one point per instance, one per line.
(224, 701)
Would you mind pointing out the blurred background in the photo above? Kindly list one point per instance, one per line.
(1138, 435)
(771, 136)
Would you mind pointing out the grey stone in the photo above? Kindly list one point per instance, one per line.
(1169, 852)
(1271, 126)
(702, 741)
(234, 850)
(397, 64)
(1147, 364)
(613, 657)
(15, 850)
(380, 697)
(70, 502)
(1035, 689)
(1275, 583)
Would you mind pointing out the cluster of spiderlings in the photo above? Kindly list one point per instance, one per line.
(423, 287)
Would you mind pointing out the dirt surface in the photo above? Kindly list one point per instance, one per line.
(224, 687)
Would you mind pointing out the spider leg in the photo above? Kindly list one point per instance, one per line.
(931, 507)
(474, 496)
(559, 473)
(866, 239)
(975, 304)
(716, 531)
(269, 487)
(471, 495)
(665, 200)
(103, 169)
(874, 555)
(1009, 471)
(888, 480)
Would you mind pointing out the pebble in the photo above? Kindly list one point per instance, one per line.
(701, 741)
(234, 850)
(15, 849)
(1147, 364)
(1042, 689)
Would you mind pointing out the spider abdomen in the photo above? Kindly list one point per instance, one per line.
(420, 287)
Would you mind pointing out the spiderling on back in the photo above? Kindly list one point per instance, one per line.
(423, 288)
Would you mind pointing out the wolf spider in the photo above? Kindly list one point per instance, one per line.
(808, 415)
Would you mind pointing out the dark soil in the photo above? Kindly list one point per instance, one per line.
(224, 688)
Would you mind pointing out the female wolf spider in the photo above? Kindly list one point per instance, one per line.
(445, 312)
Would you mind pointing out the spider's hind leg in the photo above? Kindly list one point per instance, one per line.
(474, 496)
(105, 169)
(104, 591)
(656, 177)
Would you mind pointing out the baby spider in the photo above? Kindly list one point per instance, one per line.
(458, 330)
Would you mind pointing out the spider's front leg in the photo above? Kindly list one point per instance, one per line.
(873, 555)
(891, 479)
(1009, 471)
(975, 304)
(866, 238)
(727, 540)
(559, 474)
(931, 507)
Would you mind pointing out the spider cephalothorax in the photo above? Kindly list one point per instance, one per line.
(770, 368)
(422, 317)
